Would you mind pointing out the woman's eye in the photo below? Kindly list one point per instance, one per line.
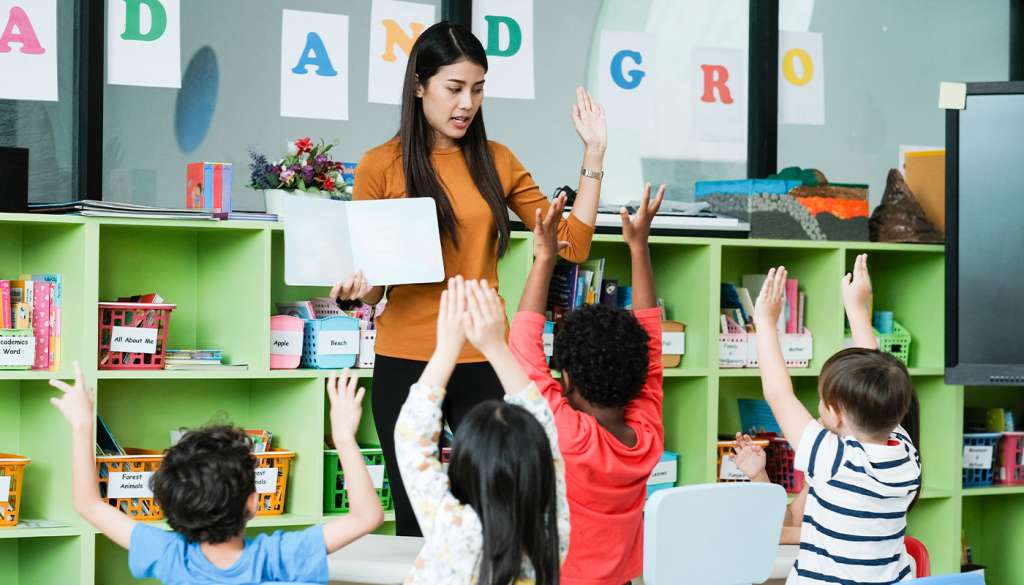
(454, 89)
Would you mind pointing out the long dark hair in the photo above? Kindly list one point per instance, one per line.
(440, 45)
(501, 467)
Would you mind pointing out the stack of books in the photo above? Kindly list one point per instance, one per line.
(198, 359)
(34, 302)
(737, 306)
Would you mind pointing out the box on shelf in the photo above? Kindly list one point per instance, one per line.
(208, 186)
(335, 494)
(286, 333)
(17, 349)
(739, 350)
(665, 473)
(1010, 459)
(896, 343)
(133, 336)
(367, 348)
(330, 343)
(673, 343)
(12, 474)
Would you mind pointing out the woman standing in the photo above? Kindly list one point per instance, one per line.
(441, 151)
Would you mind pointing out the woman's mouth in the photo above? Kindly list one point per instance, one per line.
(460, 122)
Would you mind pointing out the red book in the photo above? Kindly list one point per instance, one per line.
(792, 301)
(6, 322)
(42, 292)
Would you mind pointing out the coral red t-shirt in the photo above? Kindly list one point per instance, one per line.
(606, 480)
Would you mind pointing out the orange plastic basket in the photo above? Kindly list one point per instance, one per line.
(271, 503)
(137, 461)
(12, 466)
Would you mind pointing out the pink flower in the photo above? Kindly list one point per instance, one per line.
(286, 176)
(304, 144)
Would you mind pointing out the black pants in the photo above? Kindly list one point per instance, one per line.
(470, 385)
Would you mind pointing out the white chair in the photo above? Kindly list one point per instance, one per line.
(960, 579)
(713, 534)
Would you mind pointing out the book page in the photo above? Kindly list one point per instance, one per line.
(396, 241)
(317, 245)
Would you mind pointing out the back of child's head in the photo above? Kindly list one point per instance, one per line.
(501, 466)
(204, 482)
(604, 352)
(871, 388)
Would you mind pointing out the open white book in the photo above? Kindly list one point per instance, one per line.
(393, 241)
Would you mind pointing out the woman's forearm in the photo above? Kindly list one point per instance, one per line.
(588, 195)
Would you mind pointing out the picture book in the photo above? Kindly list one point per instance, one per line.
(300, 309)
(41, 293)
(105, 441)
(6, 316)
(261, 439)
(56, 301)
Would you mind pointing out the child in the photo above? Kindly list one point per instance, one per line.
(499, 516)
(608, 413)
(206, 487)
(861, 467)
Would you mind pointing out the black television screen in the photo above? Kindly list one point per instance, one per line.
(985, 236)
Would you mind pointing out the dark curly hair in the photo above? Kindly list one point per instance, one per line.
(204, 481)
(604, 351)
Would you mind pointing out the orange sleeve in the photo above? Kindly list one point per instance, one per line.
(524, 198)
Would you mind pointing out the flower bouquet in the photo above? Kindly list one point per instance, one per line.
(307, 169)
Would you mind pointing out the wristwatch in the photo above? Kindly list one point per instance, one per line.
(591, 173)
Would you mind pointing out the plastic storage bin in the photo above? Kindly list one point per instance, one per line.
(330, 343)
(335, 494)
(979, 458)
(727, 470)
(133, 336)
(272, 481)
(896, 343)
(781, 465)
(17, 349)
(1010, 459)
(665, 473)
(12, 474)
(286, 334)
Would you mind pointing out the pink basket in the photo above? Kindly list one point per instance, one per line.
(145, 320)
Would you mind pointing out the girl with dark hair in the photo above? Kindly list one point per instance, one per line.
(500, 515)
(441, 151)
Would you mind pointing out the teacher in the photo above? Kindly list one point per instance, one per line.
(442, 152)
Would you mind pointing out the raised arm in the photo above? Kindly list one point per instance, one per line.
(77, 407)
(589, 120)
(546, 246)
(636, 231)
(857, 300)
(791, 414)
(485, 329)
(365, 512)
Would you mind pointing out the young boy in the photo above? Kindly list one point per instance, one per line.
(861, 467)
(206, 487)
(608, 410)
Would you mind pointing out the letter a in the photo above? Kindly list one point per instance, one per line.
(25, 35)
(315, 54)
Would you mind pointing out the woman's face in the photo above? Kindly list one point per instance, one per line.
(451, 98)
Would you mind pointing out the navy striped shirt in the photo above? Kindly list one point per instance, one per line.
(856, 512)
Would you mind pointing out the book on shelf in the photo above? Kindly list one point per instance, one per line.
(93, 208)
(34, 302)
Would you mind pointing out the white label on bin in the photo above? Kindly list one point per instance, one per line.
(730, 472)
(673, 343)
(796, 347)
(5, 488)
(17, 350)
(663, 472)
(266, 480)
(732, 352)
(286, 342)
(549, 344)
(978, 456)
(133, 339)
(134, 484)
(376, 476)
(338, 342)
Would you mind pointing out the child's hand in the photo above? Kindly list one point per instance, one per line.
(750, 458)
(76, 404)
(346, 405)
(451, 330)
(768, 306)
(353, 288)
(485, 317)
(857, 286)
(545, 231)
(636, 230)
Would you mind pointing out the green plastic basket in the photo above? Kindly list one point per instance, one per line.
(897, 343)
(335, 494)
(7, 333)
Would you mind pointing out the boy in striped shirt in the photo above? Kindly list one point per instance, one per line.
(861, 467)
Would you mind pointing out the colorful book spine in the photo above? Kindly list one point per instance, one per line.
(801, 326)
(792, 299)
(56, 301)
(41, 294)
(6, 316)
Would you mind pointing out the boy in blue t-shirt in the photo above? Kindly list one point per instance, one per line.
(206, 487)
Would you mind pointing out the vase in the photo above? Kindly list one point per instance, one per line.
(273, 199)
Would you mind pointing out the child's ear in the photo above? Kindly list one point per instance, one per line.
(252, 505)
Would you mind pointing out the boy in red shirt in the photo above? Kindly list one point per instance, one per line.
(608, 407)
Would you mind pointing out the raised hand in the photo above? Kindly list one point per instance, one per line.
(750, 458)
(485, 318)
(346, 405)
(546, 244)
(589, 120)
(768, 306)
(637, 229)
(857, 286)
(76, 403)
(451, 331)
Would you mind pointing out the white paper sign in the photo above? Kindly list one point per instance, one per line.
(266, 480)
(314, 65)
(801, 78)
(133, 339)
(627, 79)
(505, 28)
(28, 50)
(5, 488)
(664, 472)
(393, 241)
(796, 347)
(718, 94)
(286, 342)
(978, 456)
(673, 342)
(394, 26)
(124, 485)
(376, 476)
(17, 351)
(732, 352)
(729, 470)
(144, 43)
(338, 342)
(367, 343)
(549, 344)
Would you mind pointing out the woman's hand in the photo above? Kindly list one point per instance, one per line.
(588, 118)
(353, 288)
(546, 245)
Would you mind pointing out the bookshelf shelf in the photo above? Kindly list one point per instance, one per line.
(226, 276)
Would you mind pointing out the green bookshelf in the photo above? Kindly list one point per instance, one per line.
(224, 278)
